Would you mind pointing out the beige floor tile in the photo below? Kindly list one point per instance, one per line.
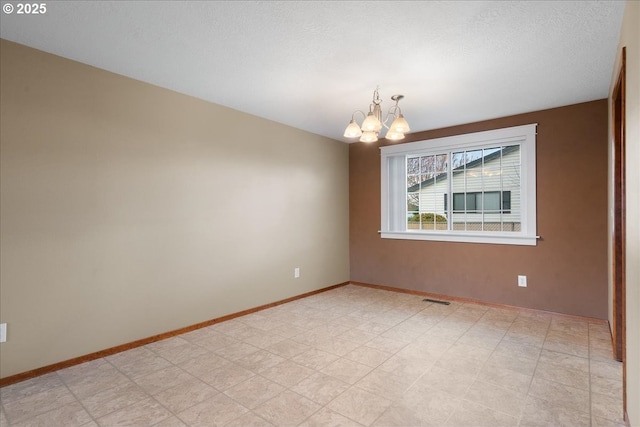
(287, 409)
(217, 411)
(266, 339)
(182, 396)
(320, 388)
(216, 341)
(399, 416)
(386, 344)
(141, 368)
(481, 337)
(607, 369)
(347, 370)
(523, 338)
(602, 422)
(413, 366)
(357, 336)
(581, 350)
(236, 351)
(372, 357)
(564, 360)
(360, 405)
(497, 398)
(71, 415)
(471, 414)
(113, 399)
(170, 422)
(368, 356)
(468, 351)
(248, 420)
(254, 391)
(464, 365)
(606, 407)
(505, 377)
(227, 376)
(390, 385)
(36, 404)
(556, 394)
(330, 329)
(502, 360)
(89, 383)
(337, 346)
(288, 348)
(202, 364)
(229, 327)
(518, 351)
(177, 350)
(287, 373)
(576, 378)
(315, 359)
(144, 413)
(452, 382)
(33, 386)
(328, 418)
(607, 386)
(3, 418)
(158, 381)
(431, 406)
(424, 350)
(288, 331)
(599, 350)
(373, 327)
(260, 361)
(539, 413)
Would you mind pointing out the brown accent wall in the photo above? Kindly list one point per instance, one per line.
(566, 271)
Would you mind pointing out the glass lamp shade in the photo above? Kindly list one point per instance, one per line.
(400, 125)
(394, 136)
(371, 123)
(353, 130)
(369, 136)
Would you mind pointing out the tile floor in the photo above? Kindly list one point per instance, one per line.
(352, 356)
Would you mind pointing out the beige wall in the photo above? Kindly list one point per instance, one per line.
(630, 37)
(128, 210)
(567, 270)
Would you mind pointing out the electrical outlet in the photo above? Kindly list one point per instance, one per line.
(296, 272)
(3, 332)
(522, 281)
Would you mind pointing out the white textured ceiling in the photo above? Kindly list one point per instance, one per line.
(310, 64)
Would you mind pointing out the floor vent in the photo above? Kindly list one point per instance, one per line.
(436, 301)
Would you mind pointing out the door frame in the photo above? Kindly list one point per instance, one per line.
(619, 224)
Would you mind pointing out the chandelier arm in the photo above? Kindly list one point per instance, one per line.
(364, 116)
(394, 111)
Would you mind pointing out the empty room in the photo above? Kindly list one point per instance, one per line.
(320, 213)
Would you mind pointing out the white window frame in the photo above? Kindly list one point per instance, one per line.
(394, 185)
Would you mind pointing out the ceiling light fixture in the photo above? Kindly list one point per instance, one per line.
(373, 123)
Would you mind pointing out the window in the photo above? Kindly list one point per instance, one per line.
(476, 187)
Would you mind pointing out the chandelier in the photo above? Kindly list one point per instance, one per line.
(372, 124)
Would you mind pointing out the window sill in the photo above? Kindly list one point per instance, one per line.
(460, 237)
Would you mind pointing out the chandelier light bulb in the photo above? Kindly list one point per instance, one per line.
(353, 130)
(369, 136)
(400, 125)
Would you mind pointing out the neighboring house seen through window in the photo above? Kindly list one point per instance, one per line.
(489, 176)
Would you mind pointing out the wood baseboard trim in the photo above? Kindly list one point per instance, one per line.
(144, 341)
(478, 302)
